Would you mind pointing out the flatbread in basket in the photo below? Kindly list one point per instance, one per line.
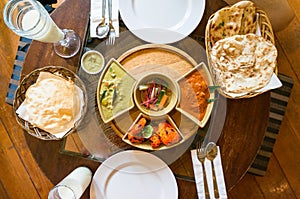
(238, 19)
(240, 62)
(50, 102)
(243, 63)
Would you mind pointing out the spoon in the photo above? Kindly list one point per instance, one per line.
(103, 28)
(211, 154)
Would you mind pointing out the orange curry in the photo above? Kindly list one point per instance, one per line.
(194, 94)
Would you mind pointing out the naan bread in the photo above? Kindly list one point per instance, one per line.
(237, 19)
(248, 23)
(52, 103)
(243, 63)
(225, 23)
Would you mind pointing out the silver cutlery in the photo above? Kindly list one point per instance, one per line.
(103, 28)
(201, 155)
(211, 154)
(112, 32)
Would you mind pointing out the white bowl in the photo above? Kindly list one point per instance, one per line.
(123, 101)
(92, 62)
(172, 98)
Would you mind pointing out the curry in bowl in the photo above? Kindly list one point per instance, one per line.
(196, 100)
(114, 91)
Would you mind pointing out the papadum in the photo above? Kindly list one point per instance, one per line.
(53, 103)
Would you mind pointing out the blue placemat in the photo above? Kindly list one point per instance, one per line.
(23, 46)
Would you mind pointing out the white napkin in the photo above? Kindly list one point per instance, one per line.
(96, 15)
(199, 176)
(273, 84)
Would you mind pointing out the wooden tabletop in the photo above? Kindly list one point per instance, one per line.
(242, 134)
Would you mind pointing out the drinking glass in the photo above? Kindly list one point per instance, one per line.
(29, 18)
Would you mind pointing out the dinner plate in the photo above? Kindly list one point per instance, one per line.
(159, 21)
(133, 174)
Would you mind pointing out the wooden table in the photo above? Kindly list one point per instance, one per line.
(242, 133)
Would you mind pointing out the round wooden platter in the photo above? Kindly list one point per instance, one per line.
(165, 59)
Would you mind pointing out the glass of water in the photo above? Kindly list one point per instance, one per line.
(29, 18)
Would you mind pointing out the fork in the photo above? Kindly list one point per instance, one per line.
(201, 155)
(112, 32)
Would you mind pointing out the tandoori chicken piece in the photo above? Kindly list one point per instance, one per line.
(168, 135)
(134, 133)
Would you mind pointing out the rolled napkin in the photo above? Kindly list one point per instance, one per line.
(96, 16)
(198, 172)
(73, 185)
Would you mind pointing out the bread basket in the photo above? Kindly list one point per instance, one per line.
(31, 79)
(266, 33)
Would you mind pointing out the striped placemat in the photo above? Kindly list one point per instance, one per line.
(279, 101)
(23, 46)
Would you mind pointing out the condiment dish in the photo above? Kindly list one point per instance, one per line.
(92, 62)
(156, 94)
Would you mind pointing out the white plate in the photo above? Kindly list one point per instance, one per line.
(133, 174)
(158, 21)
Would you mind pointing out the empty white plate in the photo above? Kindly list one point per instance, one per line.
(133, 174)
(158, 21)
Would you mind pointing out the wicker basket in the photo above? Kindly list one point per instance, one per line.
(266, 32)
(31, 79)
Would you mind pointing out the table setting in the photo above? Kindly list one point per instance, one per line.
(142, 111)
(211, 184)
(103, 17)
